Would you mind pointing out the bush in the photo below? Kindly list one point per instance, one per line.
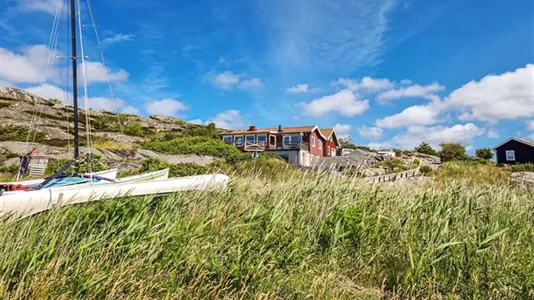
(471, 171)
(425, 170)
(484, 153)
(208, 131)
(193, 145)
(19, 133)
(416, 163)
(523, 168)
(394, 165)
(426, 149)
(452, 151)
(11, 169)
(96, 165)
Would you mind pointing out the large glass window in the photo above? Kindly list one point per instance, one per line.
(291, 139)
(262, 139)
(313, 141)
(227, 139)
(238, 140)
(251, 139)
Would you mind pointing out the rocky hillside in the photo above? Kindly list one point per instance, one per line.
(53, 122)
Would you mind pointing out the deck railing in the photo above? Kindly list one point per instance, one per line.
(295, 146)
(254, 146)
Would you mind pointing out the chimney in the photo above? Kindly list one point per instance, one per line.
(252, 128)
(279, 128)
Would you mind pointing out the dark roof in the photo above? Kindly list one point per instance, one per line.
(526, 142)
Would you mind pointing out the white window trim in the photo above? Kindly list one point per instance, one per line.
(242, 140)
(229, 136)
(313, 141)
(320, 145)
(513, 155)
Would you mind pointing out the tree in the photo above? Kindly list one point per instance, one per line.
(484, 153)
(347, 143)
(426, 149)
(452, 151)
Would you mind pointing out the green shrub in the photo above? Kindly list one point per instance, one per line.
(471, 171)
(198, 130)
(452, 151)
(523, 168)
(416, 163)
(11, 169)
(426, 149)
(425, 170)
(484, 153)
(19, 133)
(193, 145)
(134, 128)
(394, 165)
(96, 165)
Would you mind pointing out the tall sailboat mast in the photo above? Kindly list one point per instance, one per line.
(74, 81)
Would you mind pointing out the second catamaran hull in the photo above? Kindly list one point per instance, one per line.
(29, 203)
(109, 174)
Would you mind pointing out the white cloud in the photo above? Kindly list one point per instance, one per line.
(228, 80)
(48, 91)
(131, 110)
(493, 134)
(317, 35)
(299, 88)
(413, 115)
(530, 125)
(5, 83)
(506, 96)
(375, 145)
(196, 121)
(230, 119)
(342, 130)
(165, 107)
(343, 102)
(47, 6)
(29, 66)
(97, 72)
(469, 148)
(366, 84)
(437, 134)
(115, 38)
(253, 83)
(225, 80)
(38, 63)
(372, 133)
(424, 91)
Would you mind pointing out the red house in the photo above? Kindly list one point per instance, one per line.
(298, 145)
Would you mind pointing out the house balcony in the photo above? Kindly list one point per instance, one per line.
(254, 146)
(295, 146)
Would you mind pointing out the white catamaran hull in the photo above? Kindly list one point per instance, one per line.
(29, 203)
(109, 174)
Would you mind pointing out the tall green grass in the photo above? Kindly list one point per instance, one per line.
(301, 237)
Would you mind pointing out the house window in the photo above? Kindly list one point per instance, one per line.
(251, 139)
(291, 139)
(510, 155)
(227, 139)
(313, 141)
(328, 150)
(272, 140)
(238, 140)
(320, 145)
(262, 139)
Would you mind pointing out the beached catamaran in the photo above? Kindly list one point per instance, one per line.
(25, 198)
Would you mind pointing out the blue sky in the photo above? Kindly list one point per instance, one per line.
(386, 72)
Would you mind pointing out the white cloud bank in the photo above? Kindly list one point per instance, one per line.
(228, 80)
(165, 107)
(344, 102)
